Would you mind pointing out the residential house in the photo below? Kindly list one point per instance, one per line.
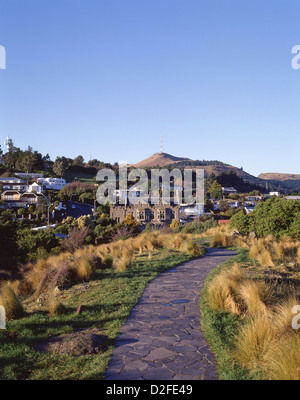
(11, 196)
(31, 198)
(29, 175)
(35, 188)
(228, 190)
(52, 183)
(292, 198)
(13, 184)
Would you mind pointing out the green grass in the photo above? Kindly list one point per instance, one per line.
(107, 303)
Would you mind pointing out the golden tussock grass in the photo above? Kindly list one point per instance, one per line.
(221, 239)
(223, 290)
(267, 342)
(233, 291)
(283, 315)
(251, 295)
(55, 307)
(44, 273)
(254, 341)
(123, 263)
(282, 360)
(84, 268)
(11, 303)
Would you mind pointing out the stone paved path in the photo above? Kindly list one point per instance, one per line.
(161, 339)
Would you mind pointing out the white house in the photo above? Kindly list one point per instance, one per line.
(35, 188)
(52, 183)
(274, 194)
(192, 210)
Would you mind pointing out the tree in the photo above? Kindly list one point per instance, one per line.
(240, 221)
(21, 212)
(224, 205)
(216, 190)
(60, 166)
(41, 207)
(78, 160)
(8, 232)
(86, 197)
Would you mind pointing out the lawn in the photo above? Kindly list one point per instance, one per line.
(107, 300)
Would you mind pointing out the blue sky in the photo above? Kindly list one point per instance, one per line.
(106, 78)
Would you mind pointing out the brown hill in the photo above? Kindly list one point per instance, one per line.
(210, 167)
(159, 160)
(274, 176)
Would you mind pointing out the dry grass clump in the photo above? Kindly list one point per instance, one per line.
(254, 341)
(233, 291)
(195, 249)
(282, 315)
(84, 268)
(11, 303)
(221, 239)
(282, 361)
(223, 290)
(267, 342)
(252, 296)
(122, 263)
(55, 307)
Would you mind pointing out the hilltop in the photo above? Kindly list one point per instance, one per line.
(210, 167)
(159, 160)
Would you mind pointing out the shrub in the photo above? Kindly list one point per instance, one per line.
(174, 224)
(75, 239)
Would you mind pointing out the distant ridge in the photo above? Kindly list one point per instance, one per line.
(274, 176)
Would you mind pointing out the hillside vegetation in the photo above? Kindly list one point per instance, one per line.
(248, 307)
(93, 287)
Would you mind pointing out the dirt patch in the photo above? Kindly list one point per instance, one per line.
(80, 343)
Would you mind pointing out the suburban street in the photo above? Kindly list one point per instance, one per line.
(80, 209)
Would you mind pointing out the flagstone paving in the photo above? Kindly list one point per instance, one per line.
(162, 339)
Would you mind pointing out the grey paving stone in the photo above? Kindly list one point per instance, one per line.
(162, 339)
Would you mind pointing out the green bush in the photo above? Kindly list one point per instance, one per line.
(198, 226)
(276, 216)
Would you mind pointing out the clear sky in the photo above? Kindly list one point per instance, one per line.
(106, 78)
